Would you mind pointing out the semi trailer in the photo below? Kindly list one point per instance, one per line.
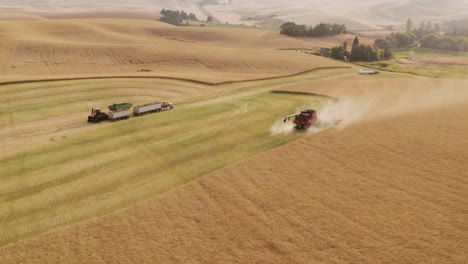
(152, 108)
(122, 111)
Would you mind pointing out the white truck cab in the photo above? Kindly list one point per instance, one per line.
(166, 105)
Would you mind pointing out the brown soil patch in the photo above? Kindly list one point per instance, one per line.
(389, 187)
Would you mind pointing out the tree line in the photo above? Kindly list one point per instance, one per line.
(360, 52)
(396, 41)
(435, 41)
(320, 30)
(450, 35)
(454, 28)
(176, 17)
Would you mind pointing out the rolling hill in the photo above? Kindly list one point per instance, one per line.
(357, 15)
(361, 15)
(220, 179)
(105, 47)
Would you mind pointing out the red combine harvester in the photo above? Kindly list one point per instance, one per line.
(303, 120)
(97, 115)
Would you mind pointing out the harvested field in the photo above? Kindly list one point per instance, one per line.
(105, 47)
(384, 188)
(46, 140)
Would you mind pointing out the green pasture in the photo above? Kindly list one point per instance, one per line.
(431, 53)
(441, 71)
(426, 70)
(113, 165)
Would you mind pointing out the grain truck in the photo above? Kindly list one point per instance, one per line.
(151, 108)
(122, 111)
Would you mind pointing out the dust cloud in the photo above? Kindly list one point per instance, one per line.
(390, 103)
(380, 104)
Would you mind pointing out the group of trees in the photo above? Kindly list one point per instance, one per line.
(451, 35)
(320, 30)
(434, 41)
(424, 28)
(456, 28)
(176, 17)
(360, 52)
(398, 40)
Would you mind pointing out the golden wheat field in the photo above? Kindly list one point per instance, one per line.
(388, 185)
(221, 178)
(105, 47)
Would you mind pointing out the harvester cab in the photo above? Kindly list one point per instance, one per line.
(97, 115)
(304, 119)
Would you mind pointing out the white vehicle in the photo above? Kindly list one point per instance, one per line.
(368, 71)
(167, 105)
(119, 115)
(147, 108)
(152, 108)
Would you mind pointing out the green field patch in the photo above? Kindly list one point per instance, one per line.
(431, 53)
(433, 71)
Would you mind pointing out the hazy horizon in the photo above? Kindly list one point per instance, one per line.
(363, 15)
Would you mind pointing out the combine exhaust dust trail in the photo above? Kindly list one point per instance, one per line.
(391, 103)
(381, 104)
